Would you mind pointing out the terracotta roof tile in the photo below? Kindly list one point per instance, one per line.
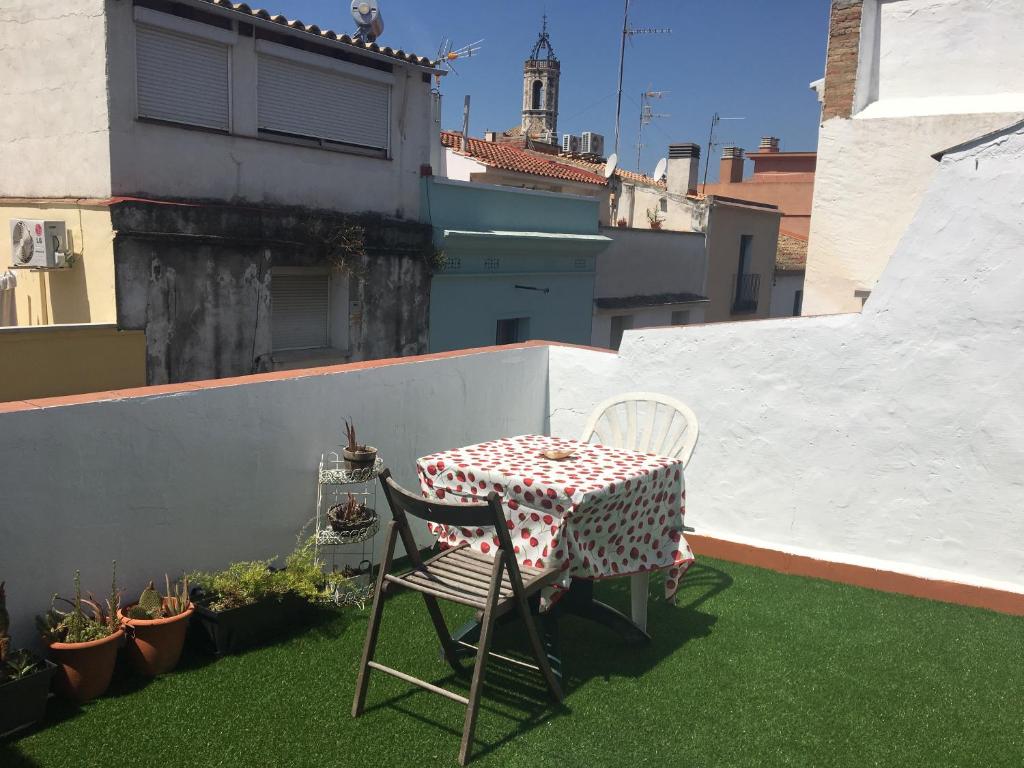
(791, 255)
(509, 157)
(313, 29)
(620, 173)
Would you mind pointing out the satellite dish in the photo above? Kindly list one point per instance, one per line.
(610, 165)
(660, 169)
(367, 17)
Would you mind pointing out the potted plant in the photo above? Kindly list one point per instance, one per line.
(156, 626)
(24, 680)
(357, 456)
(83, 641)
(654, 218)
(250, 602)
(622, 223)
(351, 516)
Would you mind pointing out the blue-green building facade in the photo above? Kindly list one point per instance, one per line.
(517, 264)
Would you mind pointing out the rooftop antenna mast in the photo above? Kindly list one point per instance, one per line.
(647, 116)
(715, 120)
(628, 32)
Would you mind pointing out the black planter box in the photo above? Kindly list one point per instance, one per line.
(234, 630)
(23, 701)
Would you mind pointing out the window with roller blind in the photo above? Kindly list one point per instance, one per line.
(300, 310)
(182, 79)
(322, 104)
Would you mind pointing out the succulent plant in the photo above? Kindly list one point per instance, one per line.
(350, 436)
(85, 620)
(152, 605)
(350, 512)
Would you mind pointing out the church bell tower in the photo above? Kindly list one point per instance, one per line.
(540, 90)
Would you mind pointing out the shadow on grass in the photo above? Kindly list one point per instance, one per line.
(588, 651)
(12, 757)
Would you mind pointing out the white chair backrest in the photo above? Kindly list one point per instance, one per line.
(646, 422)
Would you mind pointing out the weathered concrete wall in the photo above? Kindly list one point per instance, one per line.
(197, 279)
(54, 131)
(893, 438)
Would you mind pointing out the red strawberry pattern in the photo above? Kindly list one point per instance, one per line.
(618, 512)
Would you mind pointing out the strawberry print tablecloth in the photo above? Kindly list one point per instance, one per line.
(603, 512)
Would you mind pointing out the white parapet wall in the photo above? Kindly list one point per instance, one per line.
(197, 479)
(892, 439)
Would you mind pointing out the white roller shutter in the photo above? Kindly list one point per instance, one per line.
(182, 79)
(301, 100)
(300, 311)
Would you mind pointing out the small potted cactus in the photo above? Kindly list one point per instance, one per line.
(350, 516)
(24, 680)
(156, 627)
(357, 456)
(83, 640)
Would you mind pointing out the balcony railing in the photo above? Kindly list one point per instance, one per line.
(745, 298)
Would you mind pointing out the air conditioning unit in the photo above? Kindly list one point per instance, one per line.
(570, 144)
(36, 243)
(592, 144)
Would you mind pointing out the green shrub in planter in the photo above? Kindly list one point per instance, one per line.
(249, 602)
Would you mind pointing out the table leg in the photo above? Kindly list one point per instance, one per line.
(579, 601)
(639, 584)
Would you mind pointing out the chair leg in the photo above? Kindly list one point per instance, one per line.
(373, 630)
(538, 650)
(483, 649)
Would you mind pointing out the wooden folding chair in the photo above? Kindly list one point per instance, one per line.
(493, 586)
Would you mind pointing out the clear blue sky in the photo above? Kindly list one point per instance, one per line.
(740, 58)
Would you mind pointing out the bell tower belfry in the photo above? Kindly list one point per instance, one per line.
(540, 90)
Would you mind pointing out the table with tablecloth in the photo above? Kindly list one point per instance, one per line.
(603, 512)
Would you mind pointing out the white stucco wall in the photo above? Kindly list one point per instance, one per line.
(931, 74)
(924, 57)
(156, 160)
(892, 438)
(54, 138)
(871, 177)
(198, 479)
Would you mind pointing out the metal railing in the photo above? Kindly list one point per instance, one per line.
(745, 297)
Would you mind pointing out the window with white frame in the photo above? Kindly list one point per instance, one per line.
(300, 309)
(327, 104)
(182, 78)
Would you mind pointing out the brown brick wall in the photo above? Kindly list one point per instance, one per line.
(843, 53)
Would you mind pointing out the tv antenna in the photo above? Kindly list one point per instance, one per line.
(711, 141)
(647, 116)
(448, 54)
(629, 32)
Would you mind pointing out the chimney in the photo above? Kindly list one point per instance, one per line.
(731, 168)
(683, 168)
(770, 144)
(490, 136)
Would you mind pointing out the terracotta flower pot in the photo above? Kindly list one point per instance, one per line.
(85, 668)
(154, 645)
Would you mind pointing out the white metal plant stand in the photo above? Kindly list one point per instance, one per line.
(338, 549)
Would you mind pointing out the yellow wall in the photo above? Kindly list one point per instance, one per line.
(69, 360)
(85, 292)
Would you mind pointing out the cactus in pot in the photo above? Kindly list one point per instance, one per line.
(156, 627)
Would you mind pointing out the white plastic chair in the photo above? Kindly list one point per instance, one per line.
(652, 423)
(644, 421)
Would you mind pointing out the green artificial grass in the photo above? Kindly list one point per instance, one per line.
(751, 668)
